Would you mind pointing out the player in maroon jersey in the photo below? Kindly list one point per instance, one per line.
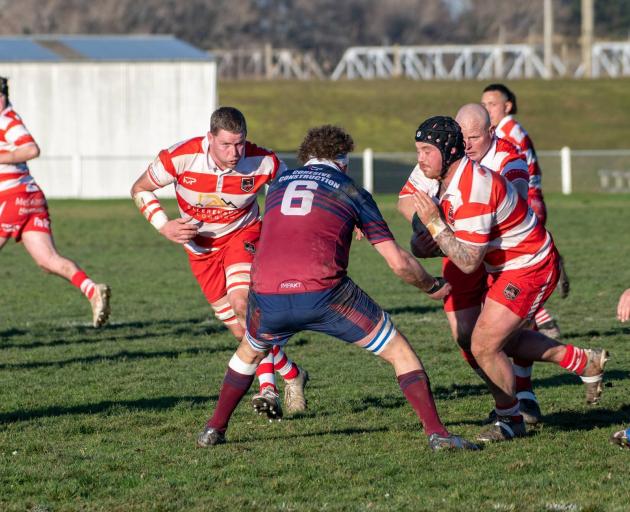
(300, 282)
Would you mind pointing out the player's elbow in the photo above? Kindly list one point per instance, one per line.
(398, 263)
(32, 151)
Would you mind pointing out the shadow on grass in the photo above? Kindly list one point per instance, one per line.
(596, 417)
(564, 379)
(175, 328)
(615, 331)
(418, 310)
(158, 404)
(123, 355)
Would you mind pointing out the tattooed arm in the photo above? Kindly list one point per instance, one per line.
(467, 257)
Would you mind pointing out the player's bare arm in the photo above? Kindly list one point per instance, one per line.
(405, 266)
(467, 257)
(20, 154)
(406, 207)
(176, 230)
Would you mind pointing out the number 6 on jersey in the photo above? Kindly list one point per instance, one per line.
(304, 195)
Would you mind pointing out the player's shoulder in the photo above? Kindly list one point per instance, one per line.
(506, 146)
(187, 147)
(9, 117)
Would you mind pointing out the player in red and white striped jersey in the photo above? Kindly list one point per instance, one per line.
(481, 219)
(463, 305)
(500, 102)
(216, 178)
(24, 211)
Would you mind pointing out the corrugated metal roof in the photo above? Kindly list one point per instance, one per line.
(12, 49)
(98, 48)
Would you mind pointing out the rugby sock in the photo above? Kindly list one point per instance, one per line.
(510, 410)
(542, 316)
(83, 283)
(283, 365)
(417, 390)
(265, 374)
(235, 385)
(523, 377)
(574, 359)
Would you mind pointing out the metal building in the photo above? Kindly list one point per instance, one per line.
(101, 107)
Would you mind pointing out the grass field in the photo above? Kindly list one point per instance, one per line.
(106, 420)
(383, 114)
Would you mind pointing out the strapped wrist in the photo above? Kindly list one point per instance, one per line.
(435, 226)
(149, 205)
(437, 285)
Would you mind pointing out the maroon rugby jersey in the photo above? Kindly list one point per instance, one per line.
(310, 214)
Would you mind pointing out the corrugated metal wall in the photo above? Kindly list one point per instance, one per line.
(99, 124)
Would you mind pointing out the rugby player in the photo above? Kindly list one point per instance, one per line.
(463, 304)
(216, 179)
(480, 218)
(314, 210)
(24, 211)
(500, 102)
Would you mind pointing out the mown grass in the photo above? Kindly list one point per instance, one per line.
(106, 420)
(383, 114)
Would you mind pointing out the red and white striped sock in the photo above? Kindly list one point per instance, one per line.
(574, 359)
(264, 372)
(542, 316)
(511, 410)
(283, 365)
(83, 283)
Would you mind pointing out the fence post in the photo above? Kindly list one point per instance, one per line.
(368, 170)
(565, 166)
(76, 175)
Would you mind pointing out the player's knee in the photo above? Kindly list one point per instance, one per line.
(380, 340)
(225, 314)
(239, 305)
(463, 340)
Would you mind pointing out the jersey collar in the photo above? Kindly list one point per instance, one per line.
(323, 161)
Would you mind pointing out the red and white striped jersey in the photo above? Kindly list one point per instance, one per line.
(14, 178)
(418, 181)
(483, 209)
(218, 201)
(506, 159)
(511, 130)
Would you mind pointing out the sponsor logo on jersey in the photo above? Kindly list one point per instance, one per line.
(250, 247)
(291, 285)
(511, 292)
(189, 180)
(247, 184)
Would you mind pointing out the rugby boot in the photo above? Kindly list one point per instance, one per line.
(100, 305)
(450, 442)
(503, 429)
(621, 438)
(294, 400)
(529, 409)
(550, 329)
(210, 437)
(268, 402)
(593, 373)
(563, 282)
